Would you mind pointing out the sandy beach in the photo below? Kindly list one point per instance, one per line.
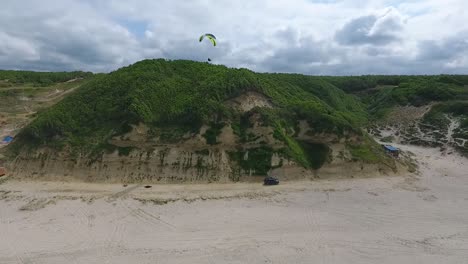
(411, 219)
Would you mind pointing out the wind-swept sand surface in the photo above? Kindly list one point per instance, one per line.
(411, 219)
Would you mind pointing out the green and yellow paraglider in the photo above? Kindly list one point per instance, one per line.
(210, 37)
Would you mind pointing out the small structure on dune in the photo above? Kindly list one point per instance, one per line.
(7, 140)
(391, 150)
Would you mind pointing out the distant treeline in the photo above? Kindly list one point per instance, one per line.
(380, 93)
(358, 83)
(40, 78)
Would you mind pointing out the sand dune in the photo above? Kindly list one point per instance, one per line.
(412, 219)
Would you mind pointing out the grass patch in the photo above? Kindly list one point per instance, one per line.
(388, 139)
(255, 160)
(125, 151)
(204, 152)
(293, 149)
(212, 133)
(171, 134)
(317, 154)
(369, 151)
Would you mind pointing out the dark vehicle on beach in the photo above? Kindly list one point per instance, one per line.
(270, 181)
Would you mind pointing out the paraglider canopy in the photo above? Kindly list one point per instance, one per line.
(209, 36)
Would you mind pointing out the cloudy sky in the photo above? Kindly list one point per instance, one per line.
(319, 37)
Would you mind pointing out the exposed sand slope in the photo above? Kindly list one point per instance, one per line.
(413, 219)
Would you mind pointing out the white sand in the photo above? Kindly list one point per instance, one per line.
(421, 219)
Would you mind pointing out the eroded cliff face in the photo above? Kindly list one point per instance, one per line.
(165, 164)
(141, 157)
(172, 155)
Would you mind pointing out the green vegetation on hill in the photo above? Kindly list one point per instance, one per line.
(10, 78)
(368, 151)
(380, 93)
(188, 94)
(256, 160)
(30, 90)
(354, 84)
(174, 98)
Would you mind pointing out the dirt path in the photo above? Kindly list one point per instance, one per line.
(412, 219)
(19, 113)
(56, 95)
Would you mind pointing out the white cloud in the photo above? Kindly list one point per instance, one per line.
(11, 47)
(307, 36)
(374, 29)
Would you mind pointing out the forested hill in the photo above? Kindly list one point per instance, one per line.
(182, 96)
(188, 94)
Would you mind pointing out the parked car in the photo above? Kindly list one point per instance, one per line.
(270, 181)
